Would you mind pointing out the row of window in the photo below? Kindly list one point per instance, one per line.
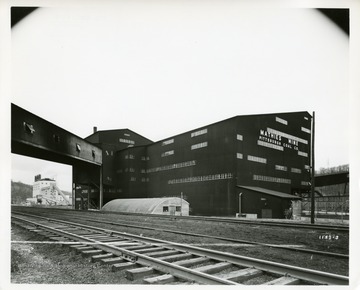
(199, 145)
(210, 177)
(126, 141)
(256, 159)
(198, 133)
(285, 122)
(271, 179)
(172, 166)
(167, 142)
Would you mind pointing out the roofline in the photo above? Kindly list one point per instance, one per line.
(234, 117)
(112, 130)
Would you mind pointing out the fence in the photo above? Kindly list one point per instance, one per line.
(327, 206)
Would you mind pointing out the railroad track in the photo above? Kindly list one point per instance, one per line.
(157, 261)
(290, 224)
(129, 225)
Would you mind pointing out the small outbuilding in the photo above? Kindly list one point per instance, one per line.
(163, 205)
(259, 202)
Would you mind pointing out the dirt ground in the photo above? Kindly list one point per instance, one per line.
(52, 264)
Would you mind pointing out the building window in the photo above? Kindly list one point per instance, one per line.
(256, 159)
(133, 179)
(167, 153)
(239, 156)
(165, 208)
(306, 130)
(126, 141)
(239, 137)
(295, 170)
(282, 121)
(167, 142)
(132, 169)
(307, 167)
(200, 132)
(305, 183)
(304, 154)
(280, 167)
(178, 208)
(143, 171)
(143, 158)
(199, 145)
(271, 179)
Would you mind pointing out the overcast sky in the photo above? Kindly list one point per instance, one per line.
(161, 68)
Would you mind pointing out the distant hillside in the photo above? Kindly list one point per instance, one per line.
(20, 192)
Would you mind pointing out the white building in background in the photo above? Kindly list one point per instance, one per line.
(45, 191)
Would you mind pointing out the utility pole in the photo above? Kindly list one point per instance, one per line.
(313, 170)
(181, 198)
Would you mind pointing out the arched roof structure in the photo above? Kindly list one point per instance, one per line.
(144, 205)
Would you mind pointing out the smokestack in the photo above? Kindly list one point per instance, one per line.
(95, 129)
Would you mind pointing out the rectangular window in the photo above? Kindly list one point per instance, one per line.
(197, 133)
(239, 137)
(199, 145)
(178, 208)
(282, 121)
(271, 179)
(295, 170)
(165, 208)
(280, 167)
(167, 142)
(305, 183)
(307, 167)
(306, 130)
(167, 153)
(256, 159)
(239, 156)
(302, 154)
(126, 141)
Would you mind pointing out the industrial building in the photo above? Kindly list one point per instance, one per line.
(45, 191)
(252, 164)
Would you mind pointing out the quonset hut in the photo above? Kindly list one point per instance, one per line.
(213, 165)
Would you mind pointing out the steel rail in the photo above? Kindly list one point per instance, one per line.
(308, 251)
(233, 220)
(163, 266)
(315, 276)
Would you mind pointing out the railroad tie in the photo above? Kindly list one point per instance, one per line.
(122, 266)
(111, 261)
(241, 275)
(87, 253)
(192, 262)
(101, 256)
(163, 279)
(214, 268)
(134, 274)
(285, 280)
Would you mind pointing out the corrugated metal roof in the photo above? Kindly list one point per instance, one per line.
(270, 192)
(141, 205)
